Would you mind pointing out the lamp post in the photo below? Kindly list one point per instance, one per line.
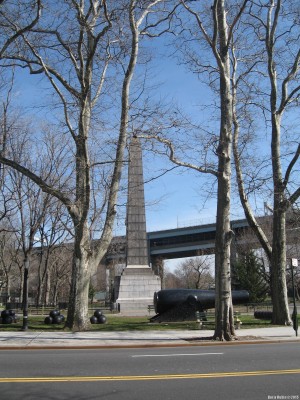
(294, 263)
(25, 295)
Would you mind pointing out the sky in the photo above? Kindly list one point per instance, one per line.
(176, 191)
(173, 200)
(182, 202)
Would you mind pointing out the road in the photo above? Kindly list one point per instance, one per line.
(241, 372)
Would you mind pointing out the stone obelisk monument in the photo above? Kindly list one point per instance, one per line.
(138, 282)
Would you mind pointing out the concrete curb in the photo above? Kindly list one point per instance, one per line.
(30, 340)
(147, 345)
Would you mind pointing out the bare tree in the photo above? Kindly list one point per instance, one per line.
(214, 29)
(31, 206)
(60, 269)
(51, 234)
(275, 26)
(8, 269)
(171, 281)
(73, 47)
(26, 15)
(194, 273)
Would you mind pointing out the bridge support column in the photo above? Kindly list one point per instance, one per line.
(233, 252)
(158, 268)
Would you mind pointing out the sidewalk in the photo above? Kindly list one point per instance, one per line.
(170, 338)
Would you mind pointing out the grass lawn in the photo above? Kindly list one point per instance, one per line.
(119, 323)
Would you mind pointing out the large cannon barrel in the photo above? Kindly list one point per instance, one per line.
(204, 299)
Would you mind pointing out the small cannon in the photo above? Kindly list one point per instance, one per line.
(180, 304)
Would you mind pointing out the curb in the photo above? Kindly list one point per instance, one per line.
(146, 346)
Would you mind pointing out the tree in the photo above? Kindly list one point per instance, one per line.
(8, 269)
(275, 27)
(194, 273)
(87, 26)
(213, 29)
(248, 274)
(92, 292)
(26, 15)
(60, 274)
(31, 206)
(171, 281)
(51, 235)
(73, 47)
(27, 219)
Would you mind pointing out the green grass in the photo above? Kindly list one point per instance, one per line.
(114, 323)
(118, 323)
(248, 321)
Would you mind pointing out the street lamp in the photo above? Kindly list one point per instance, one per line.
(25, 295)
(294, 263)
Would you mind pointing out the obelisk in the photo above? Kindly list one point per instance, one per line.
(138, 282)
(137, 249)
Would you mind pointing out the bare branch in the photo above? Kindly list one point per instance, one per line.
(21, 31)
(290, 166)
(235, 21)
(285, 98)
(41, 183)
(173, 157)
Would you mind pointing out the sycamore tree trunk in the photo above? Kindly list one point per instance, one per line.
(47, 289)
(77, 317)
(281, 315)
(224, 329)
(278, 260)
(219, 43)
(281, 96)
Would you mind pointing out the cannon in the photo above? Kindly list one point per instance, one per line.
(180, 304)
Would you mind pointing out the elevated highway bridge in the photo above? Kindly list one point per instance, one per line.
(194, 240)
(189, 241)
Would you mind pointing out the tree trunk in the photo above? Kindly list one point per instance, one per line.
(47, 289)
(281, 315)
(77, 317)
(224, 329)
(278, 99)
(54, 294)
(8, 287)
(39, 294)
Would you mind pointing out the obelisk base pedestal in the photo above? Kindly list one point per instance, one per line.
(137, 287)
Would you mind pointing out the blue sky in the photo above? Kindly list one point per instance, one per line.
(172, 200)
(175, 198)
(180, 201)
(176, 192)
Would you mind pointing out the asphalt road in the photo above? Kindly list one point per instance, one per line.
(254, 372)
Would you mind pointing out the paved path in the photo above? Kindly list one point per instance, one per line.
(46, 339)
